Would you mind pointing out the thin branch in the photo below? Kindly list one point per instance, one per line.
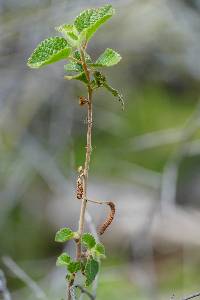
(3, 287)
(84, 291)
(15, 269)
(192, 296)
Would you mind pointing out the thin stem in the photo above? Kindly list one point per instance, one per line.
(84, 291)
(192, 296)
(86, 164)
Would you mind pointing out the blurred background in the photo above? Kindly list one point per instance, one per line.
(145, 159)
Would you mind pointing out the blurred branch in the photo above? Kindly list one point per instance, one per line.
(170, 173)
(84, 291)
(192, 296)
(156, 138)
(15, 269)
(3, 287)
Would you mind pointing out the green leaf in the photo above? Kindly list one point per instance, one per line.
(100, 249)
(91, 270)
(74, 266)
(64, 234)
(70, 33)
(80, 76)
(100, 81)
(115, 93)
(88, 240)
(49, 51)
(63, 260)
(107, 59)
(74, 65)
(90, 20)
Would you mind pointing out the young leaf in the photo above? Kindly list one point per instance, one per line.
(63, 260)
(100, 249)
(75, 64)
(100, 81)
(91, 270)
(64, 234)
(88, 240)
(107, 59)
(115, 94)
(70, 33)
(74, 266)
(90, 20)
(80, 76)
(49, 51)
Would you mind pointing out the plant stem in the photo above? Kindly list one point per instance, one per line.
(87, 156)
(86, 164)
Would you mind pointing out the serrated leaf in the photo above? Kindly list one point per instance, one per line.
(98, 251)
(74, 65)
(107, 59)
(74, 266)
(63, 260)
(100, 248)
(88, 240)
(91, 270)
(80, 76)
(64, 234)
(70, 33)
(90, 20)
(49, 51)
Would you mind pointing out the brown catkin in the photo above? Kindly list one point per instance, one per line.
(79, 188)
(109, 219)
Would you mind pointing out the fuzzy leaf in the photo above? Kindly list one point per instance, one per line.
(88, 240)
(90, 20)
(100, 249)
(107, 59)
(80, 76)
(75, 66)
(91, 270)
(70, 33)
(74, 266)
(49, 51)
(64, 234)
(63, 260)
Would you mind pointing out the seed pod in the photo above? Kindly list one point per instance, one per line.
(109, 219)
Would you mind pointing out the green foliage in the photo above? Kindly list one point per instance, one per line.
(90, 20)
(81, 77)
(91, 270)
(63, 260)
(101, 81)
(74, 64)
(88, 240)
(49, 51)
(70, 33)
(107, 59)
(100, 250)
(64, 234)
(74, 266)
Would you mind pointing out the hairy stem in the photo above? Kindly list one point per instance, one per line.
(86, 165)
(87, 156)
